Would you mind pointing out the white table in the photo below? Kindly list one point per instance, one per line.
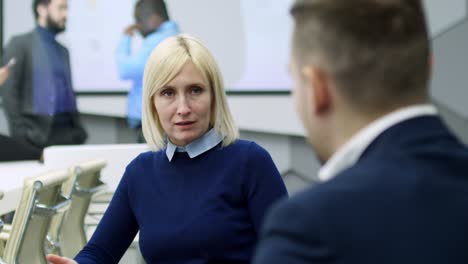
(12, 175)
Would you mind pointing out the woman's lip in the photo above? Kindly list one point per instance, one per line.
(186, 123)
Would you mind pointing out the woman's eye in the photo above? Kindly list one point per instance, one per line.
(197, 90)
(167, 92)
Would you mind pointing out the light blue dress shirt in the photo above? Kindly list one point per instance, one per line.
(199, 146)
(131, 66)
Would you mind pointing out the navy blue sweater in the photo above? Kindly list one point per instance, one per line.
(208, 209)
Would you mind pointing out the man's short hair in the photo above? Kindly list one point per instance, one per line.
(36, 3)
(377, 51)
(150, 7)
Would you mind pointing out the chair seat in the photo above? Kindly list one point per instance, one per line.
(105, 197)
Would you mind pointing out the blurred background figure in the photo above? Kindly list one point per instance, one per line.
(11, 149)
(14, 150)
(153, 23)
(39, 100)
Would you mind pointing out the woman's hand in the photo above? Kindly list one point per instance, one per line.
(54, 259)
(130, 30)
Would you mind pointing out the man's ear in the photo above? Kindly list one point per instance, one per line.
(42, 10)
(319, 84)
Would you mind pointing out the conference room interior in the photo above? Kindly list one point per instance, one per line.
(260, 100)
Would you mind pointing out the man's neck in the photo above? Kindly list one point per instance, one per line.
(42, 23)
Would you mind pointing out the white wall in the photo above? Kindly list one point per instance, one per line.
(262, 113)
(276, 114)
(271, 119)
(17, 17)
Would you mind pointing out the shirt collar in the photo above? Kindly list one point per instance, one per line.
(46, 32)
(166, 26)
(350, 152)
(201, 145)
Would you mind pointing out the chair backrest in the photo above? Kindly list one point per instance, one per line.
(116, 155)
(40, 200)
(53, 245)
(67, 230)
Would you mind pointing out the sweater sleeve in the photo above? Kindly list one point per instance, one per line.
(116, 230)
(262, 185)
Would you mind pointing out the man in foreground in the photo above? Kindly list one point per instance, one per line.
(395, 178)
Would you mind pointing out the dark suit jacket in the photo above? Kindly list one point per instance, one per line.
(405, 201)
(12, 150)
(24, 124)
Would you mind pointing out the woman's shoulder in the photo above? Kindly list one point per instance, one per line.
(145, 158)
(252, 147)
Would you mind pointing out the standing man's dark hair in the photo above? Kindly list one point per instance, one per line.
(149, 7)
(36, 3)
(395, 187)
(149, 15)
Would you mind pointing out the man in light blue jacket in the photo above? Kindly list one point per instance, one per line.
(153, 23)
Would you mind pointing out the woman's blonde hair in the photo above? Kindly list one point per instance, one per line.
(163, 65)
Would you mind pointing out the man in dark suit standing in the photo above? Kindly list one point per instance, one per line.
(39, 100)
(395, 178)
(10, 149)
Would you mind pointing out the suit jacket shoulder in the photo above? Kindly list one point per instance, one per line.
(20, 41)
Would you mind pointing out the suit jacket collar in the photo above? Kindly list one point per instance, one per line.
(363, 141)
(410, 134)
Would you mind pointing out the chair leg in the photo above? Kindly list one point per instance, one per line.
(52, 246)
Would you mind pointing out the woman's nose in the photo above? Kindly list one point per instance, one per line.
(183, 107)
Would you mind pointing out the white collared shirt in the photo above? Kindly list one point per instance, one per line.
(349, 153)
(199, 146)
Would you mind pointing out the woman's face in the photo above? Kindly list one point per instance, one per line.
(184, 106)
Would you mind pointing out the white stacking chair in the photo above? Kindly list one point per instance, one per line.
(1, 223)
(41, 199)
(67, 234)
(1, 244)
(117, 157)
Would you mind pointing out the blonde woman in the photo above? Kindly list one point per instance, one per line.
(201, 194)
